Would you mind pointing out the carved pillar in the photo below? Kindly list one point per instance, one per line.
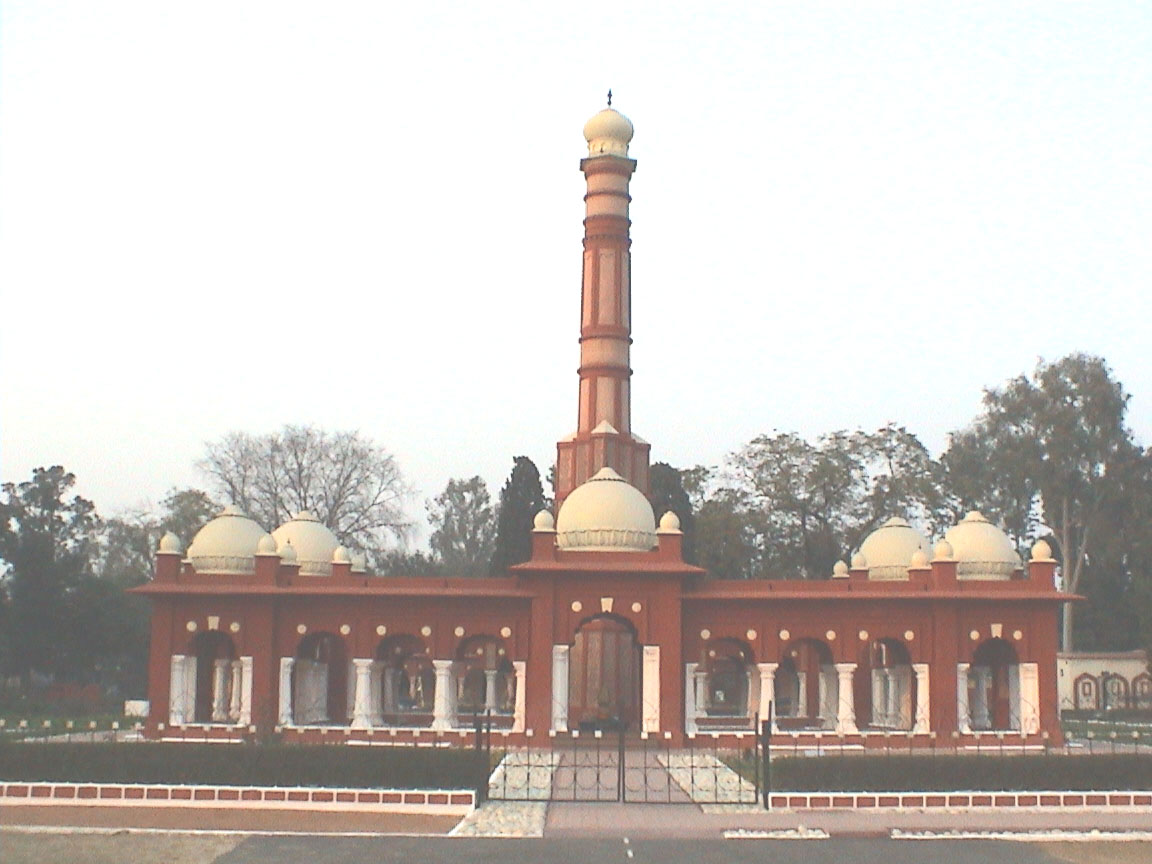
(443, 717)
(980, 716)
(518, 719)
(650, 681)
(286, 713)
(963, 709)
(767, 691)
(220, 690)
(690, 698)
(176, 687)
(1029, 698)
(237, 673)
(362, 698)
(245, 691)
(560, 687)
(923, 701)
(491, 700)
(846, 708)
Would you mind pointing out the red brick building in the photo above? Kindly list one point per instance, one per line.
(606, 625)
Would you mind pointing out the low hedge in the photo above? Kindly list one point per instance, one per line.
(943, 773)
(243, 764)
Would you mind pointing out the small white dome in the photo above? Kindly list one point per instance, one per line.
(669, 523)
(839, 570)
(266, 546)
(170, 544)
(340, 556)
(606, 514)
(889, 549)
(313, 542)
(859, 562)
(227, 544)
(544, 521)
(943, 551)
(608, 132)
(919, 560)
(287, 552)
(983, 550)
(1041, 551)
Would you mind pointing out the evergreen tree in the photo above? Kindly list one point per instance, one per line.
(520, 500)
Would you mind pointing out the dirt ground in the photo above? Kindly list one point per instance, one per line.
(121, 848)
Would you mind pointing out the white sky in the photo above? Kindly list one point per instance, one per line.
(223, 216)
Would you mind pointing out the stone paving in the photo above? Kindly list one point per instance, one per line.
(707, 780)
(504, 819)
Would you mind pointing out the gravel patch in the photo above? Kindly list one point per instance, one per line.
(504, 819)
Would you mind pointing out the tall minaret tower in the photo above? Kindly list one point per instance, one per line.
(604, 420)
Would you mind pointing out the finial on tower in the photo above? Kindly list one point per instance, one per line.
(609, 97)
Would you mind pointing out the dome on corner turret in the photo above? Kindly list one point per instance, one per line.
(606, 514)
(313, 542)
(227, 544)
(982, 550)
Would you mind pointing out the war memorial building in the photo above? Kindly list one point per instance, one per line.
(606, 625)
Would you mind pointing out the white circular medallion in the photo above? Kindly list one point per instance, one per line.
(459, 631)
(191, 625)
(505, 632)
(301, 629)
(705, 634)
(785, 635)
(909, 635)
(345, 629)
(1017, 635)
(830, 635)
(234, 626)
(381, 630)
(751, 635)
(577, 605)
(636, 607)
(425, 630)
(863, 635)
(974, 635)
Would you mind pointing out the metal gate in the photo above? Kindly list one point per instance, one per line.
(621, 766)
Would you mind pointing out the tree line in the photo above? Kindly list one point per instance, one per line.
(1049, 456)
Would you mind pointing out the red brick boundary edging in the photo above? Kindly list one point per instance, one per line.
(950, 800)
(430, 801)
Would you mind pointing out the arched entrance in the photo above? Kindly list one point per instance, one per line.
(214, 654)
(604, 676)
(994, 686)
(807, 688)
(485, 678)
(320, 680)
(408, 694)
(892, 694)
(725, 664)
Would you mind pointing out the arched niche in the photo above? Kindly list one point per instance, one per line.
(320, 680)
(604, 674)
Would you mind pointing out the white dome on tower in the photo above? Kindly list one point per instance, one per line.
(313, 542)
(606, 514)
(889, 549)
(608, 133)
(227, 544)
(982, 550)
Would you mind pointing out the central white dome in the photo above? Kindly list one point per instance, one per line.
(312, 540)
(982, 550)
(227, 544)
(606, 514)
(889, 549)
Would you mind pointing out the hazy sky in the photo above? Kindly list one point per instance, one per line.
(223, 216)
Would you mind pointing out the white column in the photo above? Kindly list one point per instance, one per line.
(827, 696)
(753, 700)
(286, 664)
(1029, 698)
(560, 687)
(362, 698)
(892, 681)
(234, 703)
(1014, 697)
(801, 695)
(767, 691)
(521, 674)
(650, 679)
(220, 690)
(963, 709)
(923, 699)
(846, 709)
(176, 688)
(442, 713)
(349, 692)
(877, 697)
(690, 698)
(490, 699)
(245, 691)
(980, 718)
(700, 688)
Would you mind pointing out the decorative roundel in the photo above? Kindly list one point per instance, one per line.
(234, 626)
(830, 635)
(705, 633)
(785, 635)
(425, 630)
(501, 651)
(711, 653)
(505, 632)
(191, 625)
(381, 629)
(974, 635)
(636, 607)
(459, 631)
(577, 605)
(345, 629)
(301, 629)
(1017, 635)
(751, 635)
(863, 635)
(909, 635)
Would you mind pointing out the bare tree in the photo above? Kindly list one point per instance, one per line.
(351, 484)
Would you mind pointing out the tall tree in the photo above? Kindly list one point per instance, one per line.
(351, 484)
(46, 540)
(668, 493)
(520, 500)
(1064, 429)
(464, 527)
